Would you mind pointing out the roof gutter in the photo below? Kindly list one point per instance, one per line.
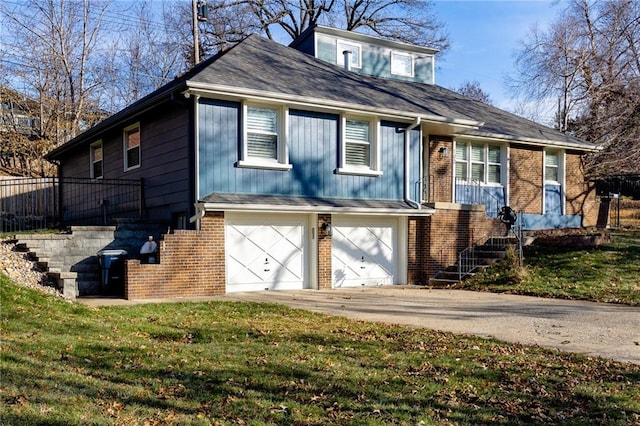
(532, 141)
(239, 93)
(203, 207)
(407, 164)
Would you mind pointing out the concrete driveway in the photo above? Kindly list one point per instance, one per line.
(596, 329)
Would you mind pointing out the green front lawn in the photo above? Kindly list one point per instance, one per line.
(608, 273)
(242, 363)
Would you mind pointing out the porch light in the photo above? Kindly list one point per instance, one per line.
(443, 152)
(326, 228)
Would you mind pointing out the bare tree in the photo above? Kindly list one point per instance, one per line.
(474, 91)
(147, 53)
(411, 21)
(50, 54)
(589, 61)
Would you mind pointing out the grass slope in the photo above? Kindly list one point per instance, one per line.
(608, 273)
(240, 363)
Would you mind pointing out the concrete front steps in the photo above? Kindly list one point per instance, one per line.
(70, 259)
(486, 256)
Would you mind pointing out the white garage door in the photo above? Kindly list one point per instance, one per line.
(364, 251)
(265, 252)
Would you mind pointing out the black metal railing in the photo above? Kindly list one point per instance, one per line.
(38, 203)
(28, 204)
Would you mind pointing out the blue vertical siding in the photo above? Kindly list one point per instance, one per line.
(552, 199)
(313, 141)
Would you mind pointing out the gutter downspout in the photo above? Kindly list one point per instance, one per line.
(407, 163)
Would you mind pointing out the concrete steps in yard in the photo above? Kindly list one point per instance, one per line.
(70, 259)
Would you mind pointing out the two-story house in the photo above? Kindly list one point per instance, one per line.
(335, 161)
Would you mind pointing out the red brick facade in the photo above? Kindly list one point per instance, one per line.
(192, 263)
(435, 241)
(580, 195)
(525, 179)
(324, 253)
(440, 178)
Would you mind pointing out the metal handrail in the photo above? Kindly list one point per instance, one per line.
(468, 258)
(477, 189)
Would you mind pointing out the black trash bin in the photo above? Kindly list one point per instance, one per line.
(112, 263)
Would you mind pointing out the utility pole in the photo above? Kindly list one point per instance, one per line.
(199, 14)
(196, 36)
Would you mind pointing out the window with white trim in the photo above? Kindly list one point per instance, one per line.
(263, 141)
(552, 167)
(401, 64)
(355, 57)
(131, 147)
(477, 162)
(359, 152)
(95, 155)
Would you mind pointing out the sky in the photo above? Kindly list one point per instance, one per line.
(484, 37)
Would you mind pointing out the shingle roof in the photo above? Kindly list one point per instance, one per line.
(266, 66)
(261, 65)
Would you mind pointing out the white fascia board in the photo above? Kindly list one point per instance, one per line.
(495, 137)
(235, 93)
(270, 208)
(378, 41)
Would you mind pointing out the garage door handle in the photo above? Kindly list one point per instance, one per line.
(267, 270)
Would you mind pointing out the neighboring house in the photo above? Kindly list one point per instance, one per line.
(280, 170)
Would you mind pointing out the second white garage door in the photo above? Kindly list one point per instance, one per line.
(265, 252)
(364, 251)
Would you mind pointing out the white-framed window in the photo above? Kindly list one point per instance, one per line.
(401, 64)
(96, 160)
(264, 137)
(131, 144)
(552, 166)
(359, 153)
(356, 53)
(478, 162)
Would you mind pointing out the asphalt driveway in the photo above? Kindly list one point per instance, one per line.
(595, 329)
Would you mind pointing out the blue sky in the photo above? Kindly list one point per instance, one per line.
(484, 36)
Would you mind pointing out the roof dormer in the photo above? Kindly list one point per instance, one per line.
(368, 54)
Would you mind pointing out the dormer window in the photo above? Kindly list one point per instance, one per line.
(401, 64)
(355, 54)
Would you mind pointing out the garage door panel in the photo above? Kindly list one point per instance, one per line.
(265, 253)
(363, 251)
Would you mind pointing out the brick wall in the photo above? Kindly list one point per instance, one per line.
(324, 253)
(525, 179)
(580, 195)
(435, 241)
(192, 263)
(440, 169)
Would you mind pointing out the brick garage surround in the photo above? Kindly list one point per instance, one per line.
(192, 264)
(325, 274)
(435, 241)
